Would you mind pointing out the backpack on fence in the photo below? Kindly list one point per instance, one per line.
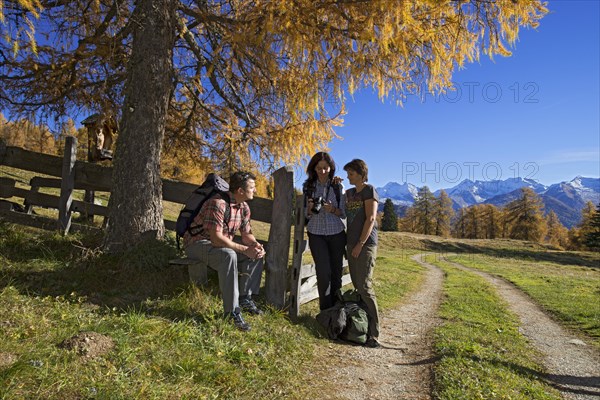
(212, 185)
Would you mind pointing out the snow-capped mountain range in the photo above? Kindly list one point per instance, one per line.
(566, 199)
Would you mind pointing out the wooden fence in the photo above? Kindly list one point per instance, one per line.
(284, 286)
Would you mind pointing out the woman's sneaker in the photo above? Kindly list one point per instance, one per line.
(238, 320)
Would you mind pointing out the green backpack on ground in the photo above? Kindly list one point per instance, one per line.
(357, 320)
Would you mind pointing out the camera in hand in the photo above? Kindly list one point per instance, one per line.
(318, 202)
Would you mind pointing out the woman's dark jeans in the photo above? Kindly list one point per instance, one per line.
(328, 253)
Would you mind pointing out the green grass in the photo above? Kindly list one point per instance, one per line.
(171, 341)
(396, 275)
(481, 353)
(569, 292)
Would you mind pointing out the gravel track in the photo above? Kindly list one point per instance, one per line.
(402, 367)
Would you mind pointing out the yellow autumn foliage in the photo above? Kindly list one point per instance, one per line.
(259, 84)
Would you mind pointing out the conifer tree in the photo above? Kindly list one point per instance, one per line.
(592, 236)
(443, 214)
(14, 135)
(68, 129)
(526, 217)
(556, 233)
(474, 221)
(578, 234)
(424, 211)
(408, 223)
(492, 221)
(389, 220)
(460, 225)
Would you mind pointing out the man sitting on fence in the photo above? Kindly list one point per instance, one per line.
(215, 246)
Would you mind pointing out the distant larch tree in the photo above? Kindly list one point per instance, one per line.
(424, 211)
(556, 233)
(578, 235)
(408, 223)
(443, 214)
(525, 216)
(592, 236)
(459, 227)
(492, 221)
(475, 228)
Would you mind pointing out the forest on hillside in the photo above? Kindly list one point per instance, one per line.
(523, 219)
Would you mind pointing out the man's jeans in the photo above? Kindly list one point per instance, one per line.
(237, 273)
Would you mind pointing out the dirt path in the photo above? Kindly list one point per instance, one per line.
(402, 367)
(574, 367)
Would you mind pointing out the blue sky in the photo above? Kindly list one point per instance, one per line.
(533, 115)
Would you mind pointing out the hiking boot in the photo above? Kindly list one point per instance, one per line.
(372, 343)
(249, 306)
(238, 320)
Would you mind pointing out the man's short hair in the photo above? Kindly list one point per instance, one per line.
(358, 166)
(239, 180)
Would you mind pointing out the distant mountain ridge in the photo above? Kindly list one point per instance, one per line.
(566, 199)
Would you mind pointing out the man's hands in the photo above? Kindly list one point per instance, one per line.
(254, 251)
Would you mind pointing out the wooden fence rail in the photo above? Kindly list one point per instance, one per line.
(67, 174)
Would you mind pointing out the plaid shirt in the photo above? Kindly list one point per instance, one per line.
(212, 215)
(326, 223)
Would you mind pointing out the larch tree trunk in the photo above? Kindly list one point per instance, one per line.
(135, 207)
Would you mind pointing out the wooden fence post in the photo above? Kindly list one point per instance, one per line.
(299, 245)
(279, 238)
(67, 185)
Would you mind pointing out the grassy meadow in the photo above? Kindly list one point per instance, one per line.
(168, 340)
(481, 352)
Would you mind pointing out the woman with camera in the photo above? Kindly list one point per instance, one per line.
(326, 231)
(361, 210)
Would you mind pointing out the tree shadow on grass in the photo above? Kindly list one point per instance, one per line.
(578, 385)
(536, 253)
(48, 264)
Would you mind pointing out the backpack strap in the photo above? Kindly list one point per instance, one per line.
(227, 214)
(337, 190)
